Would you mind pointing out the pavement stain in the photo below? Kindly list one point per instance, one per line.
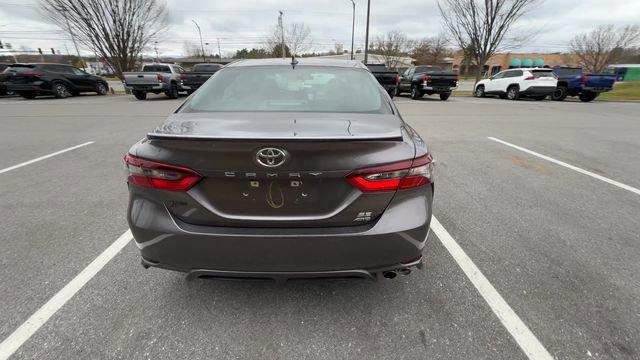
(526, 164)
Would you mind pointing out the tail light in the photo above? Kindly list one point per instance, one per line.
(584, 80)
(531, 78)
(181, 77)
(122, 77)
(397, 78)
(402, 175)
(155, 175)
(458, 78)
(425, 78)
(159, 77)
(32, 74)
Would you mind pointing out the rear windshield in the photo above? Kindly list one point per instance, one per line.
(542, 73)
(156, 68)
(284, 89)
(206, 67)
(567, 72)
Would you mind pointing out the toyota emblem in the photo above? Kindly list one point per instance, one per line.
(271, 157)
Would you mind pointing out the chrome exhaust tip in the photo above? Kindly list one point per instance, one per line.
(389, 274)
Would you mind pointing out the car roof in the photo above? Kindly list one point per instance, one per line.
(300, 62)
(34, 64)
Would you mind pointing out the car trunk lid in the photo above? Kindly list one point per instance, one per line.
(308, 189)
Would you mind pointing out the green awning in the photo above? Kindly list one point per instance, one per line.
(539, 62)
(527, 62)
(515, 62)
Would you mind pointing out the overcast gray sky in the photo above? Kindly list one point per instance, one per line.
(244, 23)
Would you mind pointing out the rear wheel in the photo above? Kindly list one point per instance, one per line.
(445, 96)
(415, 93)
(27, 94)
(513, 93)
(140, 95)
(61, 90)
(172, 93)
(560, 94)
(480, 91)
(588, 96)
(102, 89)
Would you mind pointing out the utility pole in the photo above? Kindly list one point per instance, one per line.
(204, 59)
(281, 33)
(155, 47)
(353, 27)
(366, 44)
(219, 52)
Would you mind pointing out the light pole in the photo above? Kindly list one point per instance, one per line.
(281, 33)
(353, 27)
(366, 44)
(201, 43)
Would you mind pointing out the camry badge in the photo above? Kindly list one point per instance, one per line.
(271, 157)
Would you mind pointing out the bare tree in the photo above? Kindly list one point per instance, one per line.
(483, 26)
(432, 50)
(297, 38)
(603, 46)
(392, 46)
(117, 30)
(193, 50)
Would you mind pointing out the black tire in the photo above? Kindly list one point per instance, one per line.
(140, 95)
(560, 94)
(445, 96)
(513, 92)
(61, 91)
(27, 94)
(102, 89)
(172, 93)
(538, 98)
(588, 96)
(415, 93)
(479, 91)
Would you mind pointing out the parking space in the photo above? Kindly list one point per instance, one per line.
(558, 246)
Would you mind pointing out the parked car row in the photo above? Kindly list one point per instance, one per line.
(59, 80)
(540, 83)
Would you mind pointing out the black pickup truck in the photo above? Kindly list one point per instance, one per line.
(386, 77)
(199, 74)
(427, 79)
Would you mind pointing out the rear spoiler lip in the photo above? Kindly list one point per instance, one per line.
(152, 136)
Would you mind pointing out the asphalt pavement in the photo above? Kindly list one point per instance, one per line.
(560, 247)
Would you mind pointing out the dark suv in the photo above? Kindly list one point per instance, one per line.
(61, 81)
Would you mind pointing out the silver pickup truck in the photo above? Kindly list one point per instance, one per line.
(155, 78)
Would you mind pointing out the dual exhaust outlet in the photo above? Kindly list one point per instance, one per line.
(393, 273)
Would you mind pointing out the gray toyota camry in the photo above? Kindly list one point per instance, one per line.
(283, 169)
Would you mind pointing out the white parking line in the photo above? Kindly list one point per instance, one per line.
(527, 341)
(569, 166)
(44, 157)
(42, 315)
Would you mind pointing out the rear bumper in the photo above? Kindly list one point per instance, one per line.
(160, 87)
(538, 90)
(595, 89)
(438, 89)
(394, 241)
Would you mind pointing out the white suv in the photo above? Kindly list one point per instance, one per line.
(536, 83)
